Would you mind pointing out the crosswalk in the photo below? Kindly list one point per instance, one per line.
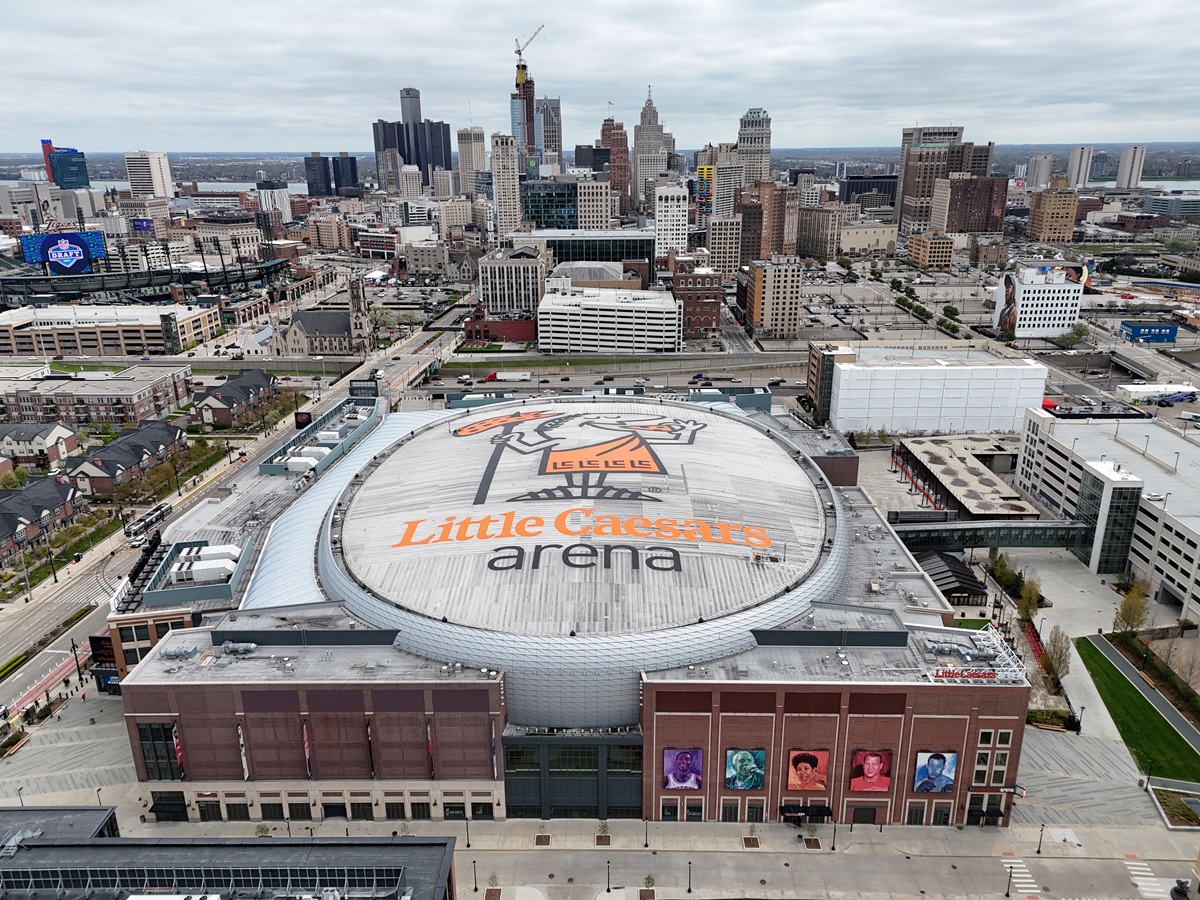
(1022, 882)
(1149, 886)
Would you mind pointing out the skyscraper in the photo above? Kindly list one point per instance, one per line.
(1038, 173)
(1129, 169)
(1079, 167)
(410, 106)
(649, 137)
(670, 219)
(522, 107)
(968, 204)
(754, 144)
(924, 164)
(506, 184)
(68, 169)
(615, 140)
(316, 173)
(149, 174)
(549, 113)
(345, 171)
(472, 156)
(425, 144)
(929, 135)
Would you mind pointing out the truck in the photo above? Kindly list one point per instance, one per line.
(722, 376)
(509, 376)
(1190, 416)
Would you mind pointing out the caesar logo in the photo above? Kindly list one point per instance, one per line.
(64, 253)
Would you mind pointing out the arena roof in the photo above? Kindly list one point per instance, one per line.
(600, 518)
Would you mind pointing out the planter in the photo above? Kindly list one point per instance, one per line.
(491, 894)
(750, 843)
(541, 840)
(646, 894)
(812, 843)
(603, 840)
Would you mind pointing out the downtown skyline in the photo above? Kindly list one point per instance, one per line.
(263, 78)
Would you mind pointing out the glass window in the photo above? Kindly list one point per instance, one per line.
(695, 810)
(1001, 760)
(998, 776)
(161, 628)
(209, 810)
(729, 810)
(916, 814)
(454, 810)
(237, 812)
(272, 812)
(126, 634)
(985, 738)
(980, 776)
(131, 656)
(522, 759)
(141, 632)
(670, 810)
(393, 810)
(754, 811)
(1004, 738)
(981, 759)
(301, 811)
(941, 815)
(362, 812)
(421, 810)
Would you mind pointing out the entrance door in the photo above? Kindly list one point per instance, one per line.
(333, 810)
(863, 815)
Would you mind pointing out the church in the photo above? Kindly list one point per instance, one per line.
(333, 332)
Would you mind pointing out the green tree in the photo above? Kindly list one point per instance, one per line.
(897, 284)
(950, 312)
(1076, 335)
(1132, 613)
(14, 479)
(1027, 602)
(382, 318)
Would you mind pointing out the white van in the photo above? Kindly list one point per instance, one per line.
(463, 379)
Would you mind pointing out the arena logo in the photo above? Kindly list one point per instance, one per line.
(65, 254)
(977, 674)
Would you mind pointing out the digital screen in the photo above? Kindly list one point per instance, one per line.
(871, 770)
(68, 253)
(807, 770)
(303, 420)
(935, 772)
(683, 769)
(143, 225)
(745, 769)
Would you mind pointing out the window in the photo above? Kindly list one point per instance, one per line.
(916, 814)
(980, 776)
(301, 811)
(941, 814)
(362, 812)
(695, 810)
(209, 810)
(754, 811)
(161, 628)
(997, 776)
(141, 632)
(729, 810)
(271, 812)
(421, 810)
(158, 751)
(393, 810)
(237, 812)
(985, 738)
(1004, 738)
(454, 810)
(981, 759)
(132, 657)
(126, 634)
(670, 810)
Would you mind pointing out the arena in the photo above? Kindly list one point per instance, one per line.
(538, 606)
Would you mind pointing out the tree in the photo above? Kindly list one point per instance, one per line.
(14, 479)
(897, 284)
(1077, 334)
(949, 311)
(1056, 656)
(382, 318)
(409, 318)
(1027, 603)
(1133, 612)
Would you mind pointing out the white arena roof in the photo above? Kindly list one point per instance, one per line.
(594, 518)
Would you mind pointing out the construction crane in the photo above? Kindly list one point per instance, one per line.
(521, 47)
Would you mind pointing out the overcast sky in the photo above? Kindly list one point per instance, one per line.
(260, 75)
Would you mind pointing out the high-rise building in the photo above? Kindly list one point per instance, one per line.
(549, 113)
(931, 250)
(273, 196)
(725, 244)
(410, 106)
(968, 204)
(506, 185)
(472, 156)
(445, 182)
(615, 140)
(316, 173)
(1079, 167)
(924, 164)
(66, 167)
(595, 205)
(649, 137)
(523, 110)
(852, 187)
(670, 220)
(149, 174)
(754, 144)
(1129, 169)
(916, 136)
(1052, 214)
(1037, 175)
(551, 203)
(345, 171)
(591, 157)
(410, 181)
(512, 281)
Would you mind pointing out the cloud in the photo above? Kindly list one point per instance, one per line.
(309, 75)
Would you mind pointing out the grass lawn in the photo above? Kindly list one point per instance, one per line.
(1147, 734)
(972, 624)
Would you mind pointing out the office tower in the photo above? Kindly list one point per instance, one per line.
(68, 169)
(649, 165)
(1129, 169)
(854, 186)
(506, 185)
(523, 110)
(1099, 164)
(549, 113)
(1079, 167)
(316, 173)
(588, 157)
(1020, 169)
(410, 181)
(1052, 214)
(754, 144)
(670, 219)
(1038, 173)
(149, 174)
(615, 140)
(445, 182)
(273, 196)
(410, 106)
(649, 137)
(929, 135)
(595, 205)
(725, 244)
(345, 171)
(472, 156)
(841, 170)
(924, 164)
(968, 204)
(551, 203)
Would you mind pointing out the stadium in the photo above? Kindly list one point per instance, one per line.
(541, 606)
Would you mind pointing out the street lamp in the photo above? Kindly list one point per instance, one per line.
(1082, 710)
(689, 890)
(78, 668)
(1008, 887)
(1040, 835)
(98, 803)
(49, 549)
(1149, 770)
(833, 846)
(20, 791)
(474, 876)
(468, 824)
(608, 877)
(646, 822)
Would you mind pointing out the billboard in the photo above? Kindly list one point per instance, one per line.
(1006, 305)
(303, 420)
(745, 769)
(808, 770)
(935, 772)
(683, 769)
(143, 225)
(871, 770)
(704, 190)
(68, 253)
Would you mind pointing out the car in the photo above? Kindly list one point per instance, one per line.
(798, 383)
(221, 377)
(145, 358)
(1165, 403)
(84, 356)
(735, 379)
(388, 364)
(706, 384)
(137, 541)
(438, 383)
(566, 390)
(60, 356)
(601, 381)
(565, 378)
(395, 357)
(286, 378)
(191, 353)
(608, 378)
(544, 381)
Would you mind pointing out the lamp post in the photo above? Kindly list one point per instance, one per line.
(1008, 887)
(49, 550)
(468, 824)
(646, 822)
(833, 846)
(98, 803)
(78, 668)
(1149, 770)
(689, 890)
(475, 876)
(1040, 835)
(175, 472)
(608, 876)
(1082, 710)
(20, 791)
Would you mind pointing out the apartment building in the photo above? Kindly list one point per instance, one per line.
(125, 398)
(1052, 214)
(770, 293)
(931, 251)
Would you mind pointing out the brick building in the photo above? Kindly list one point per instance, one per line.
(103, 470)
